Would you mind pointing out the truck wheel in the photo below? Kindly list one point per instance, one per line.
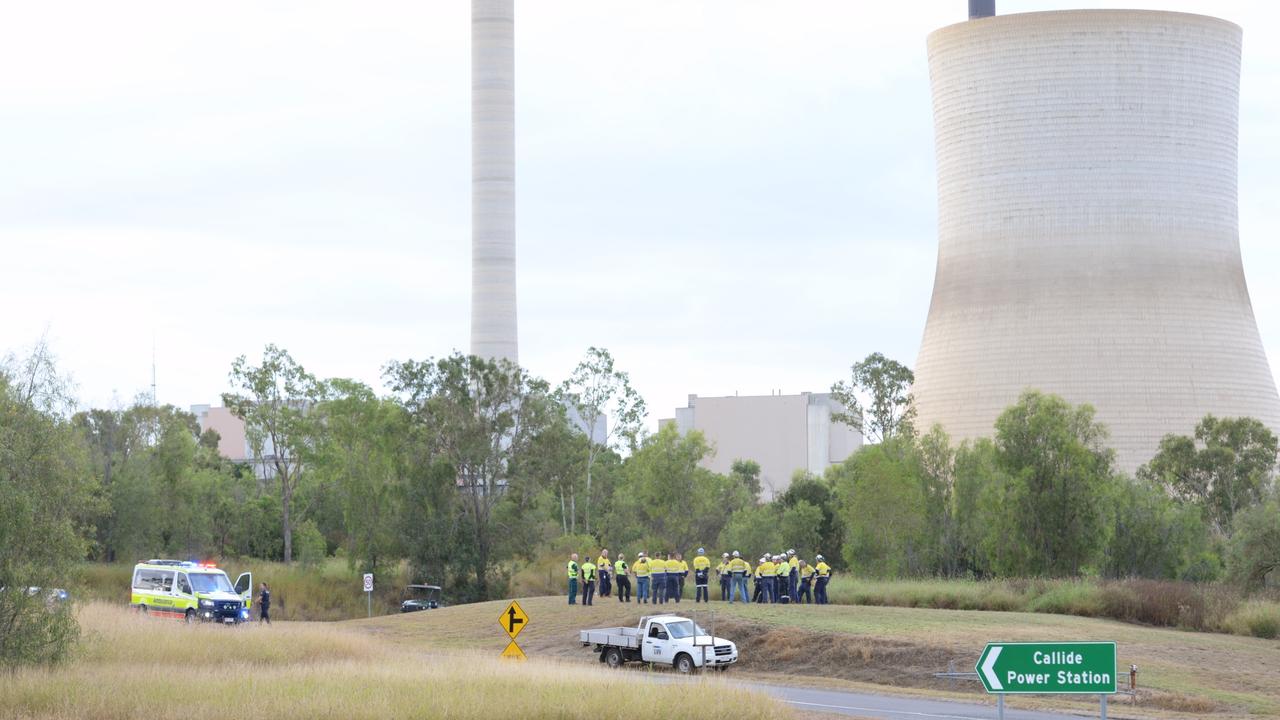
(613, 657)
(684, 664)
(190, 617)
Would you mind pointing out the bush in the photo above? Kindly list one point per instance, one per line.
(310, 544)
(1258, 618)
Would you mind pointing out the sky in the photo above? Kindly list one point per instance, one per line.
(732, 196)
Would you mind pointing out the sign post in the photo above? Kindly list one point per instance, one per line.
(513, 620)
(1050, 668)
(368, 591)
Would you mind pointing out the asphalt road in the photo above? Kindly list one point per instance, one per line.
(888, 707)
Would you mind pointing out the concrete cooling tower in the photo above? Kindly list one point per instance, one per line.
(493, 180)
(1087, 227)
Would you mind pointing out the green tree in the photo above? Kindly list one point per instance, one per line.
(887, 383)
(828, 530)
(1255, 545)
(752, 531)
(747, 474)
(1155, 536)
(598, 393)
(359, 459)
(884, 509)
(666, 498)
(478, 417)
(1051, 500)
(46, 491)
(975, 469)
(274, 400)
(1229, 465)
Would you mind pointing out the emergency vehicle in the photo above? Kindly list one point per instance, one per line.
(191, 591)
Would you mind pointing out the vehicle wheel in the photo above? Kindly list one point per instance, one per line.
(613, 657)
(190, 617)
(684, 664)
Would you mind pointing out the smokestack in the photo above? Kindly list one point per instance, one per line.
(981, 8)
(493, 180)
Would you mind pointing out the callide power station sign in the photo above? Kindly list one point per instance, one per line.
(1049, 668)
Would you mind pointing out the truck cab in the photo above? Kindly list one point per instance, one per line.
(662, 640)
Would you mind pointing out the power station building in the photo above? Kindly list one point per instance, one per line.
(1087, 226)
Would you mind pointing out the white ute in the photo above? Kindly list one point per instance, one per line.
(662, 640)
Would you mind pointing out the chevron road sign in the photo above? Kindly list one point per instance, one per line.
(1049, 668)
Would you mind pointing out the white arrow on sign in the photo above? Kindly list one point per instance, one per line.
(989, 667)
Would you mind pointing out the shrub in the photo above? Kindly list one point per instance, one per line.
(1258, 618)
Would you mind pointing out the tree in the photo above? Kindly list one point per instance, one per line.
(1155, 536)
(888, 385)
(597, 392)
(828, 529)
(1051, 499)
(359, 456)
(274, 400)
(1255, 545)
(667, 499)
(747, 474)
(884, 509)
(46, 493)
(479, 418)
(1228, 466)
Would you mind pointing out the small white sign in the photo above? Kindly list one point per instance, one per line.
(368, 582)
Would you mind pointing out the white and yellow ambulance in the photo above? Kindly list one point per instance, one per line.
(191, 591)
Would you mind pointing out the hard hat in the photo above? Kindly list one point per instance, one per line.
(735, 553)
(726, 555)
(700, 551)
(817, 557)
(792, 551)
(640, 554)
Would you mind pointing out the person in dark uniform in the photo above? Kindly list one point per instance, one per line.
(264, 605)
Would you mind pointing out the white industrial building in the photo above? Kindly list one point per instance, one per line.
(1087, 225)
(783, 433)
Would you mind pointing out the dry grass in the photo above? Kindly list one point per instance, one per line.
(140, 667)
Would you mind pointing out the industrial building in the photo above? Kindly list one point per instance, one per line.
(783, 433)
(1088, 238)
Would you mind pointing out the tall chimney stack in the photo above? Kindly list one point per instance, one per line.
(981, 8)
(493, 180)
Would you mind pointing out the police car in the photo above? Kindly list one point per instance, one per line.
(190, 591)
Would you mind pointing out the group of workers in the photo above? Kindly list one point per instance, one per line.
(781, 578)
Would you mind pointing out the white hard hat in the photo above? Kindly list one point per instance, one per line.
(727, 554)
(792, 551)
(700, 551)
(640, 554)
(817, 557)
(735, 553)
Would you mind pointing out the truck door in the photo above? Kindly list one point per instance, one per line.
(244, 588)
(656, 641)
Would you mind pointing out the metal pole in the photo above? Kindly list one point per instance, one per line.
(1000, 706)
(369, 597)
(1103, 706)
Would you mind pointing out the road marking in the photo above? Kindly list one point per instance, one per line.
(882, 710)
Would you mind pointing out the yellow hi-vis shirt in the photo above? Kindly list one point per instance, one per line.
(681, 566)
(603, 563)
(701, 563)
(572, 567)
(783, 569)
(806, 572)
(641, 568)
(721, 569)
(766, 568)
(738, 565)
(658, 566)
(794, 561)
(588, 571)
(620, 567)
(823, 569)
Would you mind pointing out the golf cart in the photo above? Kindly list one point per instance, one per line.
(421, 597)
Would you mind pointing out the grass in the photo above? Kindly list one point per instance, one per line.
(133, 666)
(1182, 674)
(330, 591)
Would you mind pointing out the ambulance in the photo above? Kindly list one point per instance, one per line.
(191, 591)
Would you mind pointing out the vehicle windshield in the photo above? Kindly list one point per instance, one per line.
(684, 629)
(210, 582)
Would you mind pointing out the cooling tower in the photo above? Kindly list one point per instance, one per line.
(1087, 227)
(493, 181)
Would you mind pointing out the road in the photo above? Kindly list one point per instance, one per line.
(888, 707)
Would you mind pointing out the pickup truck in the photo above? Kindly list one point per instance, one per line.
(661, 640)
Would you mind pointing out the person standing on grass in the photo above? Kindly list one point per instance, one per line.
(781, 592)
(806, 579)
(823, 571)
(624, 582)
(793, 577)
(605, 568)
(588, 581)
(701, 577)
(725, 578)
(572, 569)
(675, 581)
(658, 579)
(738, 569)
(642, 570)
(264, 605)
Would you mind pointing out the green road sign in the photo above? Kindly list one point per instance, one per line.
(1049, 668)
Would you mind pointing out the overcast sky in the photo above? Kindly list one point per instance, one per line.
(730, 195)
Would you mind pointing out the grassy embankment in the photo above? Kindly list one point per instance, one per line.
(332, 592)
(130, 666)
(1182, 675)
